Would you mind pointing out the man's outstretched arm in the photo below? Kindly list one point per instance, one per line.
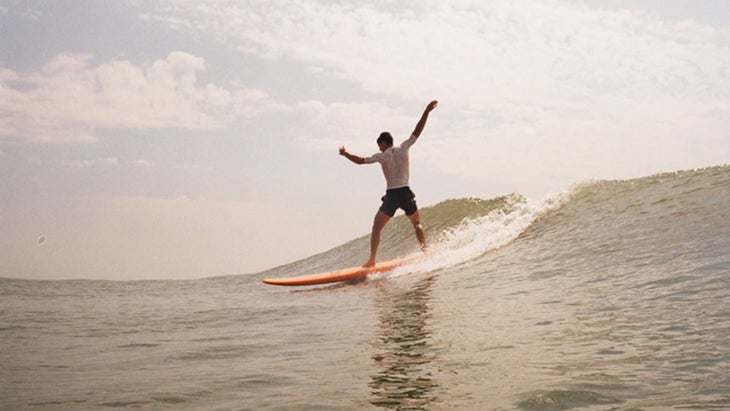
(424, 117)
(355, 159)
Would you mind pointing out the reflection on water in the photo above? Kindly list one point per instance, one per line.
(402, 350)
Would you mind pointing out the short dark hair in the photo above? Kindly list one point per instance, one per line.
(386, 137)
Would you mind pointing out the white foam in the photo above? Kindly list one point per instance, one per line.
(474, 237)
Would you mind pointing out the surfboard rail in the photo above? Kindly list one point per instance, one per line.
(345, 274)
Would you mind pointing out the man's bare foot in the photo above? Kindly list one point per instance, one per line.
(369, 263)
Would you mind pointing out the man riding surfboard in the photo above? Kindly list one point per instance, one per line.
(394, 162)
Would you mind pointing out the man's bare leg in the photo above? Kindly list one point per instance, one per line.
(420, 235)
(381, 219)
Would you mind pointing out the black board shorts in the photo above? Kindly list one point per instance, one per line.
(396, 198)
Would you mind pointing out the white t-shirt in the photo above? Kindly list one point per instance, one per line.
(394, 162)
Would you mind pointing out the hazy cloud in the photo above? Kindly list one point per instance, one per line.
(106, 161)
(144, 163)
(70, 98)
(555, 79)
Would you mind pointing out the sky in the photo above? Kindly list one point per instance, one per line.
(177, 139)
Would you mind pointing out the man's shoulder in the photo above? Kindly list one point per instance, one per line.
(409, 142)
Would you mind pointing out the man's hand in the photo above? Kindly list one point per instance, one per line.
(432, 105)
(355, 159)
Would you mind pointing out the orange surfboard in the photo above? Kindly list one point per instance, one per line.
(347, 274)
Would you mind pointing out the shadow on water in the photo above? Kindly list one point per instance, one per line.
(402, 349)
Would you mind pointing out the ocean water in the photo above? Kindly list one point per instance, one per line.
(614, 295)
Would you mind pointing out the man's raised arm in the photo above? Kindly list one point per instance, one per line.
(424, 117)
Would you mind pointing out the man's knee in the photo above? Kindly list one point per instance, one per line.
(381, 219)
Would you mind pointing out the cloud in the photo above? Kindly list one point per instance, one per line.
(602, 92)
(144, 163)
(69, 99)
(106, 161)
(513, 48)
(23, 11)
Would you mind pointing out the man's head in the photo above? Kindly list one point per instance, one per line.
(385, 141)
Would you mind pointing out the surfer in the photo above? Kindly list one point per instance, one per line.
(394, 161)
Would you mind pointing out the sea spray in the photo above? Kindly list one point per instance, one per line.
(475, 236)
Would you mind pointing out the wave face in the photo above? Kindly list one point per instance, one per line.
(449, 225)
(645, 221)
(613, 295)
